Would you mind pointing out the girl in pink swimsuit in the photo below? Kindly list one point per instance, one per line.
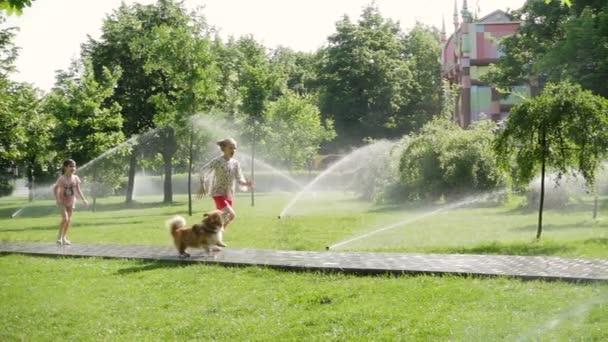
(65, 189)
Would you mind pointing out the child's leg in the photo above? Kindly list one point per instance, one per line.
(64, 220)
(228, 215)
(69, 212)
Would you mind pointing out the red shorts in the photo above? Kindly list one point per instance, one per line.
(221, 202)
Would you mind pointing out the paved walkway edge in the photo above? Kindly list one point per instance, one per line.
(522, 267)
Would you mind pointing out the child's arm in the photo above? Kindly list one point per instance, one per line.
(201, 175)
(240, 178)
(80, 192)
(56, 190)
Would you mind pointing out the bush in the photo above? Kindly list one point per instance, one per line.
(6, 188)
(446, 160)
(376, 178)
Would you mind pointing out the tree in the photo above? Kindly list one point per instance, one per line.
(86, 125)
(256, 81)
(422, 46)
(556, 43)
(295, 71)
(37, 152)
(365, 78)
(565, 129)
(153, 89)
(11, 131)
(294, 130)
(582, 54)
(181, 57)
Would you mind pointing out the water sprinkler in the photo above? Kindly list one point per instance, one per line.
(279, 217)
(327, 248)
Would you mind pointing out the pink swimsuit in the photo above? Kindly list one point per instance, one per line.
(67, 190)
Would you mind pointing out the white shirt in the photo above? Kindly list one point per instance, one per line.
(222, 174)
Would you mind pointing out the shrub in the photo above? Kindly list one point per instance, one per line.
(446, 160)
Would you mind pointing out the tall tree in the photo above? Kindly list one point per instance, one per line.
(182, 58)
(143, 91)
(11, 132)
(422, 46)
(365, 78)
(564, 129)
(86, 127)
(37, 151)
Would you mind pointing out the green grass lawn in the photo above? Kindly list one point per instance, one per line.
(326, 219)
(93, 299)
(55, 299)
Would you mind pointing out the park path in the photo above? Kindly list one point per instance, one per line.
(524, 267)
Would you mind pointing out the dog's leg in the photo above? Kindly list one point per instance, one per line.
(182, 251)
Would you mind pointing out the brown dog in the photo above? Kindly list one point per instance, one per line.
(206, 234)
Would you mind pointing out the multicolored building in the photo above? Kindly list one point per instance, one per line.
(466, 56)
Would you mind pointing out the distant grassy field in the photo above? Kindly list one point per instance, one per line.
(326, 219)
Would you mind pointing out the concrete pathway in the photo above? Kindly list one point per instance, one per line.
(524, 267)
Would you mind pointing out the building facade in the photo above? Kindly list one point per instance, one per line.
(466, 56)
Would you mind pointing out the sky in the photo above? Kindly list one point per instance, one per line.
(51, 31)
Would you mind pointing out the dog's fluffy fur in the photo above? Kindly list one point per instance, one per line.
(206, 234)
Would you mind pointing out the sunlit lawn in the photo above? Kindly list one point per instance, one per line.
(92, 299)
(327, 219)
(51, 299)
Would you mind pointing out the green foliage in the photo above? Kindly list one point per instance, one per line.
(556, 43)
(443, 159)
(86, 128)
(293, 130)
(14, 6)
(582, 54)
(566, 124)
(376, 81)
(295, 71)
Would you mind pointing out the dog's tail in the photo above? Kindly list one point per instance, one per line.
(175, 223)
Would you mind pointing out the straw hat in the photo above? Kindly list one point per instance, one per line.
(227, 142)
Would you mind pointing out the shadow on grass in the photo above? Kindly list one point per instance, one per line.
(40, 210)
(548, 227)
(521, 248)
(74, 225)
(596, 241)
(102, 207)
(150, 266)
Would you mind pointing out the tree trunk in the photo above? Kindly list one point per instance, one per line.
(30, 184)
(168, 189)
(253, 165)
(595, 205)
(95, 189)
(169, 150)
(542, 187)
(190, 157)
(131, 176)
